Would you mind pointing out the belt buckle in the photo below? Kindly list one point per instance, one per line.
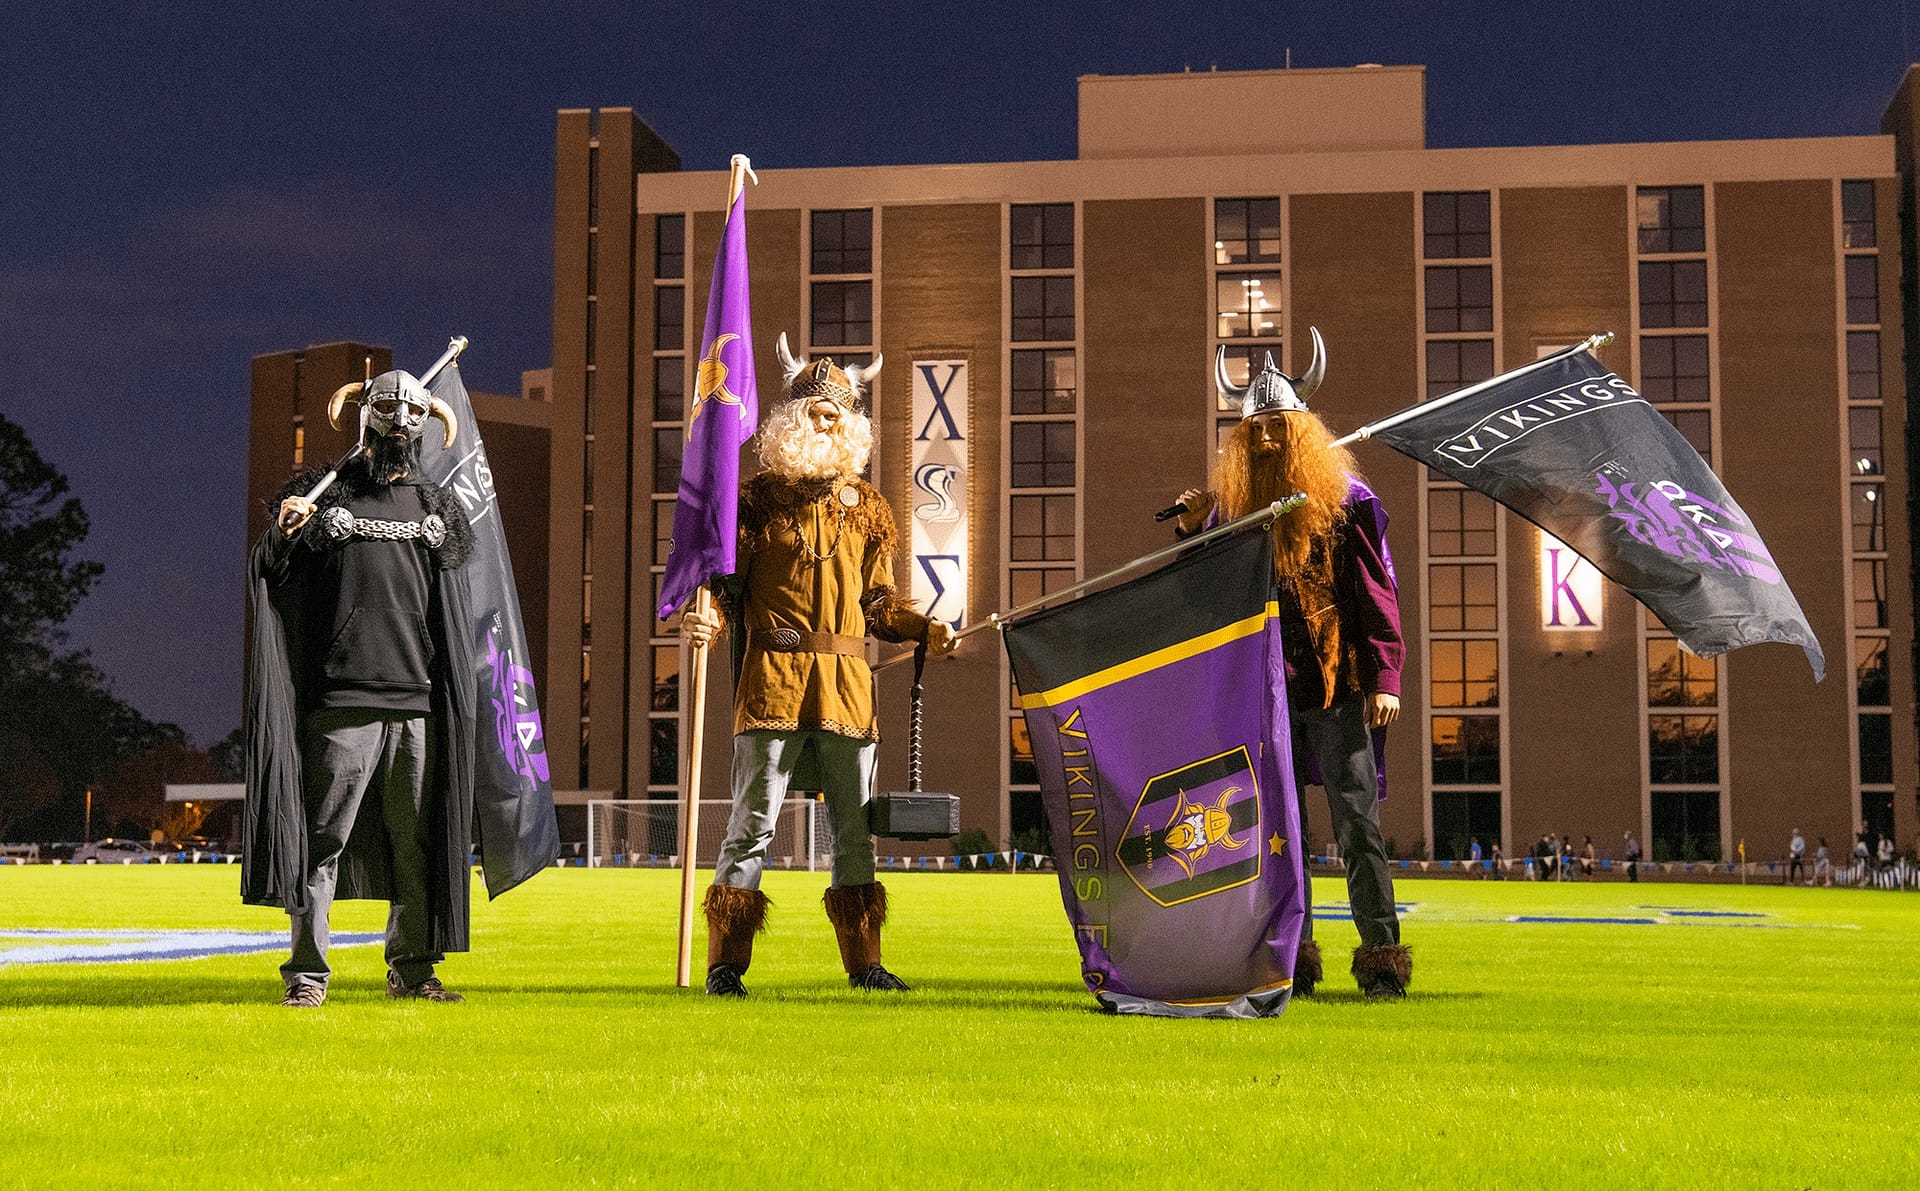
(784, 639)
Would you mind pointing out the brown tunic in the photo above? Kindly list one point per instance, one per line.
(814, 564)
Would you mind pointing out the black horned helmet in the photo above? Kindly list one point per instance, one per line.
(393, 401)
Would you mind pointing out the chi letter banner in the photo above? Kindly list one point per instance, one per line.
(1572, 448)
(1157, 711)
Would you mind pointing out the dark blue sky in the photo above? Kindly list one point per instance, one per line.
(186, 186)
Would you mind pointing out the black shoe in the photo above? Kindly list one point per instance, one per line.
(723, 980)
(1385, 986)
(305, 996)
(878, 979)
(429, 989)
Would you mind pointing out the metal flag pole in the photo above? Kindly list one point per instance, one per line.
(999, 620)
(697, 689)
(1426, 407)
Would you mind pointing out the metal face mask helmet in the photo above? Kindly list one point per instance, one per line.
(1271, 390)
(393, 402)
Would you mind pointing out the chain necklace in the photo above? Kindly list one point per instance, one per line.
(839, 530)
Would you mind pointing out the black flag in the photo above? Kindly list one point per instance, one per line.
(512, 788)
(1575, 450)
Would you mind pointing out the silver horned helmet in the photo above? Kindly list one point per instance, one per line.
(393, 401)
(1271, 390)
(807, 379)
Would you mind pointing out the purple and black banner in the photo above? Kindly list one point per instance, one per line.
(512, 788)
(1158, 715)
(1575, 450)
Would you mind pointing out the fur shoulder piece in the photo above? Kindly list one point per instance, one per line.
(873, 517)
(458, 544)
(767, 499)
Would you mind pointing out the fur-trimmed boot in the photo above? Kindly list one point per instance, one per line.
(734, 916)
(1306, 968)
(857, 913)
(1383, 970)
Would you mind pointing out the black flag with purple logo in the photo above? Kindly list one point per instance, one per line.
(1157, 712)
(512, 788)
(1574, 449)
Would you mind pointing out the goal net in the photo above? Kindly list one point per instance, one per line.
(633, 833)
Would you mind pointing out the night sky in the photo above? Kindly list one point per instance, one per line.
(187, 186)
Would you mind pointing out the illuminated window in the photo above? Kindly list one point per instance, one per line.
(1466, 673)
(1869, 516)
(1021, 770)
(1869, 593)
(1466, 749)
(1676, 678)
(1043, 381)
(1246, 231)
(666, 678)
(1247, 305)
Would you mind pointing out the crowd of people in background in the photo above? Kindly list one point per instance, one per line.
(1875, 860)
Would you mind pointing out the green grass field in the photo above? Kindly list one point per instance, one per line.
(1775, 1051)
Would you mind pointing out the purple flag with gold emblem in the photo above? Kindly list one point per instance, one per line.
(726, 409)
(1157, 712)
(1574, 449)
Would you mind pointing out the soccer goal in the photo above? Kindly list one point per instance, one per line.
(635, 833)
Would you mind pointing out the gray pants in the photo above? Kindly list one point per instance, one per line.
(1338, 740)
(763, 765)
(349, 754)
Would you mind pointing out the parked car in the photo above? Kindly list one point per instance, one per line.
(194, 849)
(114, 851)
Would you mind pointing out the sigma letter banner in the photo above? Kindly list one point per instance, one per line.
(512, 788)
(1157, 712)
(1574, 449)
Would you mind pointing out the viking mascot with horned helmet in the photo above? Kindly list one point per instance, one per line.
(1340, 629)
(815, 579)
(360, 717)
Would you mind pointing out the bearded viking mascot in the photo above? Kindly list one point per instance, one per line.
(359, 733)
(1340, 633)
(815, 579)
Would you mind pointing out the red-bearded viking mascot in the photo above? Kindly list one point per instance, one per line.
(1340, 628)
(815, 579)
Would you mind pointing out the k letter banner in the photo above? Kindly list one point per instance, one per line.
(1572, 448)
(512, 788)
(1157, 712)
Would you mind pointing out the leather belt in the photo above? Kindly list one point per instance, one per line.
(794, 641)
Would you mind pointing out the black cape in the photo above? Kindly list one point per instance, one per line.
(516, 840)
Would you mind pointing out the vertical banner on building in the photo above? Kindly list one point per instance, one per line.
(942, 407)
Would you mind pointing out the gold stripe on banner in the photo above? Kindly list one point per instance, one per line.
(1192, 647)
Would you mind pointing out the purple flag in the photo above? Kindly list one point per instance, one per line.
(726, 408)
(1158, 715)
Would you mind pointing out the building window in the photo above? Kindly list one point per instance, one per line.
(1462, 818)
(1673, 293)
(1464, 598)
(667, 441)
(662, 529)
(1247, 305)
(1863, 289)
(1870, 686)
(1683, 748)
(1674, 368)
(1043, 381)
(1856, 215)
(669, 388)
(1466, 673)
(1672, 218)
(843, 242)
(1678, 678)
(1456, 363)
(663, 753)
(1457, 225)
(1042, 309)
(1459, 298)
(1032, 583)
(1863, 365)
(1696, 426)
(1686, 825)
(842, 313)
(1042, 528)
(670, 247)
(1466, 749)
(666, 678)
(1040, 236)
(1869, 593)
(1246, 231)
(1876, 748)
(1869, 516)
(1043, 454)
(669, 318)
(1459, 522)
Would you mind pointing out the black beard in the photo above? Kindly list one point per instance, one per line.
(389, 458)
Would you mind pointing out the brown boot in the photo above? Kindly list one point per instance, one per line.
(734, 916)
(1383, 970)
(857, 913)
(1306, 968)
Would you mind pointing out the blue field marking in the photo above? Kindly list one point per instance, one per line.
(1559, 920)
(1678, 912)
(1343, 911)
(140, 946)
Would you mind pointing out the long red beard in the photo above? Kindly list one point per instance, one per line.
(1250, 473)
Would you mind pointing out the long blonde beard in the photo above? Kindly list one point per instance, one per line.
(1249, 474)
(790, 446)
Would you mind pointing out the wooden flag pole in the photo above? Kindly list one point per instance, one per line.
(690, 810)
